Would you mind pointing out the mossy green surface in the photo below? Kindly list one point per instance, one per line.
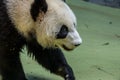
(98, 58)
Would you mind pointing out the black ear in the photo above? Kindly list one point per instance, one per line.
(37, 7)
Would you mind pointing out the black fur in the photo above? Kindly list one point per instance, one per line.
(51, 59)
(37, 7)
(64, 0)
(11, 43)
(63, 32)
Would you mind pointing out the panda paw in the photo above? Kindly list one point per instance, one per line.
(66, 72)
(68, 77)
(69, 73)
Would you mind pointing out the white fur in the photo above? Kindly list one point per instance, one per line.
(19, 11)
(47, 25)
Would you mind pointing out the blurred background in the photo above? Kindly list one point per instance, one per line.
(111, 3)
(98, 58)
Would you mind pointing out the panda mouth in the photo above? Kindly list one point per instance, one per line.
(66, 48)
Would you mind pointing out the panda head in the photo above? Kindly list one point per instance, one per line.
(51, 22)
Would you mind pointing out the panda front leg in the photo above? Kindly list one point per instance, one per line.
(10, 65)
(59, 65)
(53, 60)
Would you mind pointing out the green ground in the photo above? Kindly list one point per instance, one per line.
(98, 58)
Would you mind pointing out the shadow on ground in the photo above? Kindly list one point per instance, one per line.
(33, 77)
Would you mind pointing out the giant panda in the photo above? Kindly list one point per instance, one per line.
(45, 27)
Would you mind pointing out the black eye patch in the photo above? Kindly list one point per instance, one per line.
(63, 32)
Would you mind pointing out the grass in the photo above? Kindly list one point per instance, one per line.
(98, 58)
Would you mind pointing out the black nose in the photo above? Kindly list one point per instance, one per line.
(77, 45)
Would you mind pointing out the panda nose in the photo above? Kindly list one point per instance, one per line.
(77, 44)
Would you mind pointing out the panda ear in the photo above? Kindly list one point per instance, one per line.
(37, 7)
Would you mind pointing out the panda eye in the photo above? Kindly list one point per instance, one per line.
(62, 33)
(64, 0)
(74, 24)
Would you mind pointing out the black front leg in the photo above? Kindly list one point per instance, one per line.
(58, 63)
(53, 60)
(10, 65)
